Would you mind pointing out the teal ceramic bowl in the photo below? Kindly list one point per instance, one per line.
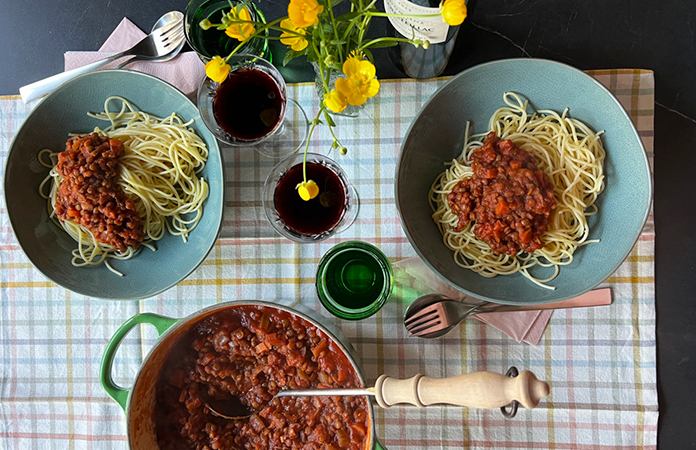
(46, 245)
(436, 136)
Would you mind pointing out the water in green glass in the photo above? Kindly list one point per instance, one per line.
(355, 279)
(213, 42)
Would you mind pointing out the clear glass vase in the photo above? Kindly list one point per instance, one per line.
(351, 110)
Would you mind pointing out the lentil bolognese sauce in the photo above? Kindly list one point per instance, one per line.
(253, 352)
(508, 196)
(525, 206)
(124, 187)
(89, 194)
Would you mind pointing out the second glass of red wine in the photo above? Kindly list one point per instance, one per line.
(333, 210)
(251, 108)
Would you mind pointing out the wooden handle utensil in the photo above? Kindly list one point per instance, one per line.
(485, 390)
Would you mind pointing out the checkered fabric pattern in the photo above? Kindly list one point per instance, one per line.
(600, 362)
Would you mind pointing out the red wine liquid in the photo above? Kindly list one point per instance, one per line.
(317, 215)
(248, 104)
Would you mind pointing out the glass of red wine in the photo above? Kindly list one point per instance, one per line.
(251, 108)
(333, 210)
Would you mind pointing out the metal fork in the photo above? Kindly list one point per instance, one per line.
(438, 317)
(444, 313)
(156, 44)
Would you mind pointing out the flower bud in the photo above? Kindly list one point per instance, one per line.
(329, 60)
(426, 44)
(343, 151)
(205, 24)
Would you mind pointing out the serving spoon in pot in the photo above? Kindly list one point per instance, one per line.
(485, 390)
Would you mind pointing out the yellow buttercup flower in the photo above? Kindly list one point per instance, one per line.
(453, 11)
(295, 42)
(217, 69)
(307, 190)
(335, 101)
(240, 31)
(360, 83)
(304, 13)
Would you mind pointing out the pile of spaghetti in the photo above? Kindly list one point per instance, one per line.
(127, 183)
(567, 151)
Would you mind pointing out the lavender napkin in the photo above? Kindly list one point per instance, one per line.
(185, 71)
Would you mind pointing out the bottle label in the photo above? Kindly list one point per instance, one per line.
(434, 29)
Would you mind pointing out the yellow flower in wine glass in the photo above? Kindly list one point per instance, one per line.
(304, 13)
(292, 40)
(335, 101)
(240, 31)
(360, 83)
(453, 11)
(217, 69)
(307, 190)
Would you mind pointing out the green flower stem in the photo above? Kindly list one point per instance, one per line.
(365, 23)
(335, 139)
(320, 63)
(309, 137)
(363, 29)
(323, 54)
(263, 26)
(385, 39)
(345, 39)
(333, 25)
(404, 16)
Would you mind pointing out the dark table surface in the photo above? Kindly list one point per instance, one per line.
(595, 34)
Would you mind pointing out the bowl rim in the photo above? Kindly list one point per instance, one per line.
(625, 115)
(220, 170)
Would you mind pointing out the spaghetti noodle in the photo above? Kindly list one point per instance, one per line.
(159, 170)
(568, 151)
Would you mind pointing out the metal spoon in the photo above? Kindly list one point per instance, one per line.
(233, 408)
(162, 41)
(485, 390)
(170, 17)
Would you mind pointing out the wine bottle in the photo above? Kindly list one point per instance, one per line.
(418, 62)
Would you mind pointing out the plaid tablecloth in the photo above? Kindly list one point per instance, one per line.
(600, 362)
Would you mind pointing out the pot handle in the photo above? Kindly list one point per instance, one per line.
(119, 394)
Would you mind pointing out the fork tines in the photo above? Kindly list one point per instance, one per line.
(430, 319)
(171, 28)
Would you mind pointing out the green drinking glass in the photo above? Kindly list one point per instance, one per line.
(354, 280)
(213, 42)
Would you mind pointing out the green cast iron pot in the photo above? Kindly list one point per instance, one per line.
(139, 401)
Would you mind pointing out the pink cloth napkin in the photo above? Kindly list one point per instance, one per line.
(527, 326)
(185, 71)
